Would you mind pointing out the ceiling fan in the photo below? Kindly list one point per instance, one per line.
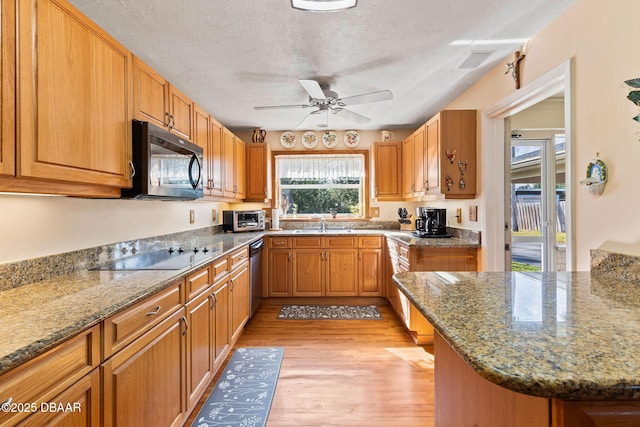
(325, 101)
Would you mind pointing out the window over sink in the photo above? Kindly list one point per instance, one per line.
(319, 184)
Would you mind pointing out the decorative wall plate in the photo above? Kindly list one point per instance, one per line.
(288, 139)
(309, 139)
(329, 139)
(596, 177)
(351, 138)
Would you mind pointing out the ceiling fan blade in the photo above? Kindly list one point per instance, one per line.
(383, 95)
(280, 107)
(313, 89)
(305, 119)
(350, 115)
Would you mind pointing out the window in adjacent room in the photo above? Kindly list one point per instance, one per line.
(317, 184)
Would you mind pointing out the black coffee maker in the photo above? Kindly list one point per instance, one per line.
(431, 222)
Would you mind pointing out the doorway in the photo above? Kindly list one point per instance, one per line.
(496, 137)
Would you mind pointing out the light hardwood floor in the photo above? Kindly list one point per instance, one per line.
(343, 372)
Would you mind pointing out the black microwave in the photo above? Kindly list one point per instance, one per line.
(165, 166)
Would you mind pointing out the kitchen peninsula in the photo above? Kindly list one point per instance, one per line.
(554, 349)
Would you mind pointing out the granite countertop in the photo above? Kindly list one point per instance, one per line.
(571, 336)
(38, 316)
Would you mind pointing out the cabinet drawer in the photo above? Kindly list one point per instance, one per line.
(342, 242)
(403, 253)
(279, 242)
(307, 242)
(46, 376)
(374, 242)
(219, 268)
(198, 281)
(238, 257)
(124, 327)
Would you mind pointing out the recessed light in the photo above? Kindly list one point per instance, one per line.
(323, 5)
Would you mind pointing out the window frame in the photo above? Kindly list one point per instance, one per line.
(275, 199)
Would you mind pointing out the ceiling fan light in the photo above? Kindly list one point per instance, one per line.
(323, 5)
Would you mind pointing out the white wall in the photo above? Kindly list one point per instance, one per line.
(598, 36)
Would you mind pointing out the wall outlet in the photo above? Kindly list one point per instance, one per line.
(214, 215)
(473, 213)
(459, 215)
(374, 212)
(192, 216)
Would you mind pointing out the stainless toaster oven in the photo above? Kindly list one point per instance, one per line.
(237, 221)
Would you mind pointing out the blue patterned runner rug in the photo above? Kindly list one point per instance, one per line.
(243, 394)
(329, 312)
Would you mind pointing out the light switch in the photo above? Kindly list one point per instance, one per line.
(374, 212)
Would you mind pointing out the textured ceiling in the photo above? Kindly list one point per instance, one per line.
(232, 55)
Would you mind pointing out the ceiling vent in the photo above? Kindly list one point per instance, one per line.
(475, 59)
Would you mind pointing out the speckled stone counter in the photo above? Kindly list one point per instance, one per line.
(572, 336)
(40, 315)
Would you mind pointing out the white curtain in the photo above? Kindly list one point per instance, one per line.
(322, 167)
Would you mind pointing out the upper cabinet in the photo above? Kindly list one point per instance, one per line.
(258, 173)
(74, 108)
(440, 157)
(7, 88)
(159, 102)
(387, 157)
(214, 161)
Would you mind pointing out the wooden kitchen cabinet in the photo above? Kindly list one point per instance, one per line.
(408, 186)
(239, 300)
(387, 157)
(74, 114)
(145, 383)
(341, 272)
(159, 102)
(7, 88)
(233, 153)
(221, 315)
(309, 270)
(258, 173)
(202, 138)
(215, 161)
(67, 370)
(280, 267)
(239, 156)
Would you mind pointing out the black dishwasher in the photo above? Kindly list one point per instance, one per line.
(255, 262)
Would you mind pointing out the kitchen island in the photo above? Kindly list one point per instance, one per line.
(556, 349)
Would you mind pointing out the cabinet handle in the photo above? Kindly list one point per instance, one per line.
(153, 313)
(289, 256)
(212, 300)
(186, 326)
(133, 170)
(232, 285)
(359, 256)
(376, 191)
(171, 121)
(426, 184)
(265, 191)
(167, 119)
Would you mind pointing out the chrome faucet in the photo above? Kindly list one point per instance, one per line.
(323, 223)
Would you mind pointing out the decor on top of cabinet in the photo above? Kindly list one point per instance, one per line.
(351, 138)
(258, 136)
(288, 139)
(597, 176)
(309, 139)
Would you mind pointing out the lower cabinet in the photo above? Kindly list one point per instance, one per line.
(145, 383)
(239, 293)
(315, 266)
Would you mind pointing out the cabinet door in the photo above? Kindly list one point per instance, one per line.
(200, 345)
(81, 406)
(7, 88)
(75, 97)
(239, 299)
(342, 272)
(202, 138)
(370, 272)
(407, 168)
(181, 113)
(418, 162)
(388, 170)
(280, 272)
(228, 183)
(258, 172)
(150, 95)
(432, 157)
(458, 132)
(309, 272)
(144, 384)
(215, 160)
(221, 315)
(239, 168)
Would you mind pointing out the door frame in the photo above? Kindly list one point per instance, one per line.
(493, 140)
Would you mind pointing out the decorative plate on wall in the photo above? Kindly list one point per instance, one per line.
(351, 138)
(309, 139)
(329, 139)
(288, 139)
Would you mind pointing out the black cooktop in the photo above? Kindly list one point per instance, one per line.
(159, 260)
